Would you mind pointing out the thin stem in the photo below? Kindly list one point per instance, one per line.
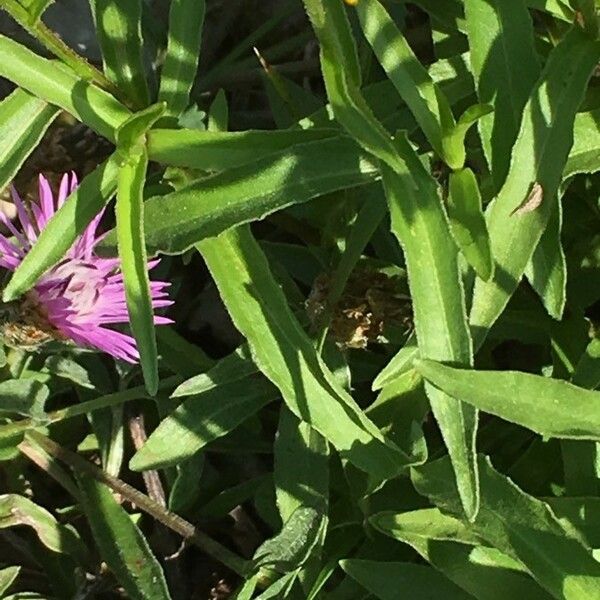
(86, 407)
(145, 503)
(55, 44)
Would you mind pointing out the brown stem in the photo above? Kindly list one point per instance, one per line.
(145, 503)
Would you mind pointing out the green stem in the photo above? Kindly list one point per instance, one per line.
(174, 522)
(55, 44)
(83, 408)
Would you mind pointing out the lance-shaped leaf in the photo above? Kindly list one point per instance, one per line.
(186, 18)
(505, 66)
(121, 544)
(23, 121)
(391, 580)
(550, 407)
(538, 157)
(414, 84)
(448, 545)
(547, 269)
(420, 224)
(585, 153)
(57, 84)
(130, 234)
(119, 32)
(285, 354)
(520, 526)
(201, 419)
(17, 511)
(221, 150)
(467, 222)
(250, 192)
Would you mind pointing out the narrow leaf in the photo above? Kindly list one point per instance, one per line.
(23, 121)
(57, 84)
(467, 222)
(414, 84)
(285, 354)
(213, 204)
(506, 67)
(550, 407)
(121, 544)
(539, 155)
(420, 224)
(119, 32)
(130, 235)
(521, 526)
(391, 580)
(186, 18)
(413, 201)
(201, 419)
(221, 150)
(17, 511)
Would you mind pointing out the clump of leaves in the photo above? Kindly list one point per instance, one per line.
(376, 370)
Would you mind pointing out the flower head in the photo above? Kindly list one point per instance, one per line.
(81, 297)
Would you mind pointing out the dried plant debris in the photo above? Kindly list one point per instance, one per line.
(372, 303)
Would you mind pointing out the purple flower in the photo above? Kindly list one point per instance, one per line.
(83, 295)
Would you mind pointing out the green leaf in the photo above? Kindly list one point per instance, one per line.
(18, 511)
(419, 221)
(285, 354)
(467, 222)
(454, 139)
(420, 224)
(69, 222)
(291, 547)
(212, 204)
(7, 576)
(448, 545)
(392, 580)
(538, 157)
(506, 67)
(181, 356)
(550, 407)
(521, 526)
(587, 371)
(57, 84)
(581, 513)
(35, 8)
(414, 84)
(66, 368)
(24, 397)
(585, 152)
(186, 18)
(399, 411)
(201, 419)
(398, 365)
(23, 121)
(237, 365)
(280, 588)
(547, 269)
(121, 544)
(224, 150)
(119, 32)
(129, 211)
(301, 470)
